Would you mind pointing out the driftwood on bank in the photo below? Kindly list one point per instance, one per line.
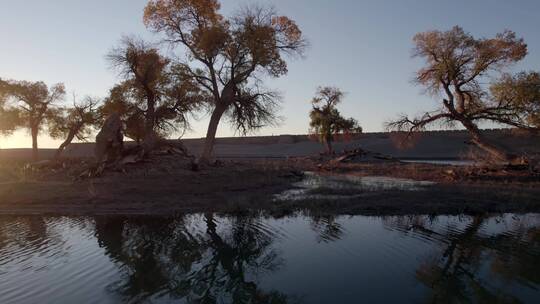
(490, 173)
(112, 155)
(360, 155)
(135, 155)
(355, 156)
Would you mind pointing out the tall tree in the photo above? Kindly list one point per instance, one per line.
(457, 67)
(326, 121)
(143, 70)
(76, 122)
(228, 56)
(28, 105)
(152, 99)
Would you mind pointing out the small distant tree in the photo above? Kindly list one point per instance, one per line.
(28, 105)
(76, 122)
(326, 121)
(227, 57)
(457, 68)
(152, 99)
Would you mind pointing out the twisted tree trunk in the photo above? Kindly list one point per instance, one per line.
(67, 142)
(110, 140)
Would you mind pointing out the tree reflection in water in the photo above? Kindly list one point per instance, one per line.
(23, 236)
(458, 272)
(327, 228)
(23, 231)
(193, 258)
(204, 258)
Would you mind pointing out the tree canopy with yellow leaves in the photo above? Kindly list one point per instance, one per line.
(229, 56)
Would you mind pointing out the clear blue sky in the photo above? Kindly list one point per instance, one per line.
(363, 47)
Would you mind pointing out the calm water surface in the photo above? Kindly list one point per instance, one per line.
(295, 259)
(315, 186)
(451, 162)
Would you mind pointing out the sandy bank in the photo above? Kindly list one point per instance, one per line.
(168, 188)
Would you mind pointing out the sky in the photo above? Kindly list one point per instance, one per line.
(363, 47)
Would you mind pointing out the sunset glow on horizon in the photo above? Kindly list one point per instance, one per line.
(63, 41)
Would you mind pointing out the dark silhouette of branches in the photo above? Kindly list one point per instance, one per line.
(28, 105)
(154, 99)
(227, 57)
(456, 64)
(75, 122)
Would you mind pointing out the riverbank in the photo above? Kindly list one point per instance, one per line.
(166, 186)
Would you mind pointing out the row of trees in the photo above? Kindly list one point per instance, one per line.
(220, 70)
(220, 64)
(33, 105)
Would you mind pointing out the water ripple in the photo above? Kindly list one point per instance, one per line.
(199, 257)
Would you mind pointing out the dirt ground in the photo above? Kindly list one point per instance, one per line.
(161, 186)
(166, 185)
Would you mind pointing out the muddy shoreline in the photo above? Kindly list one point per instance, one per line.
(170, 188)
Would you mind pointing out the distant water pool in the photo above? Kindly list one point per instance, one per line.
(207, 258)
(452, 162)
(315, 186)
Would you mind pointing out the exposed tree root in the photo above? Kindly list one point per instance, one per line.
(139, 155)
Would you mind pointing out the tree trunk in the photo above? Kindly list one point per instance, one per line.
(67, 142)
(211, 133)
(34, 132)
(328, 145)
(479, 140)
(149, 140)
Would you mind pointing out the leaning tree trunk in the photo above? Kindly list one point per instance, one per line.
(211, 133)
(493, 150)
(481, 142)
(67, 142)
(34, 132)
